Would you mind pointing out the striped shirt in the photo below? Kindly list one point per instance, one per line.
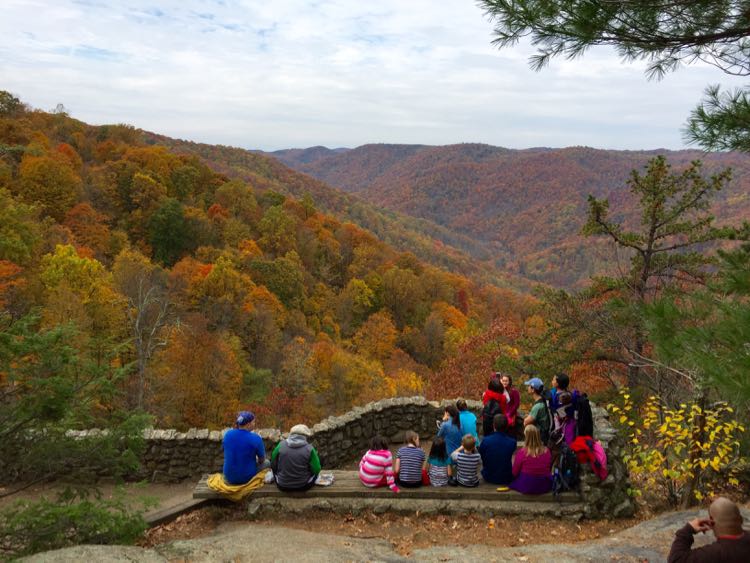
(467, 467)
(438, 471)
(376, 466)
(410, 464)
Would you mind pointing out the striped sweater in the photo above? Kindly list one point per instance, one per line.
(467, 465)
(375, 468)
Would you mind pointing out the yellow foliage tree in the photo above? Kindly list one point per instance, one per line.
(682, 453)
(80, 289)
(376, 338)
(49, 182)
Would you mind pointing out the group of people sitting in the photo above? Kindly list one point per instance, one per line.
(458, 457)
(294, 461)
(557, 418)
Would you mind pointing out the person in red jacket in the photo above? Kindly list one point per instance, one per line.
(513, 401)
(494, 402)
(732, 542)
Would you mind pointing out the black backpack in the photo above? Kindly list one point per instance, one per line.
(584, 417)
(566, 471)
(488, 414)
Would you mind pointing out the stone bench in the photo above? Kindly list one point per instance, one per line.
(347, 494)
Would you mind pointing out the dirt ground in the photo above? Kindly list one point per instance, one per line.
(404, 533)
(154, 495)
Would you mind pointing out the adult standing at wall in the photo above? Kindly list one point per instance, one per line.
(493, 402)
(513, 401)
(468, 419)
(539, 414)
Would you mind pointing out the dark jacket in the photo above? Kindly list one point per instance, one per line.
(294, 462)
(723, 550)
(497, 454)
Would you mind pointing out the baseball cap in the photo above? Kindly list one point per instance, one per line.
(536, 383)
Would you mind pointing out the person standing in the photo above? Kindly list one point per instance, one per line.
(244, 452)
(468, 419)
(513, 399)
(494, 402)
(732, 543)
(539, 413)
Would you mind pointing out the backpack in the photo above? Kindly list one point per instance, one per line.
(488, 414)
(584, 416)
(590, 451)
(545, 427)
(566, 471)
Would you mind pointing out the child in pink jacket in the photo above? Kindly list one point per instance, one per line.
(376, 467)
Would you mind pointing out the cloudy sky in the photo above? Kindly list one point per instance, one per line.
(273, 74)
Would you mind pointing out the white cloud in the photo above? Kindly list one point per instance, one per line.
(272, 75)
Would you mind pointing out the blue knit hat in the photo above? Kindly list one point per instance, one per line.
(245, 417)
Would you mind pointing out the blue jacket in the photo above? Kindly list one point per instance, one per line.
(497, 453)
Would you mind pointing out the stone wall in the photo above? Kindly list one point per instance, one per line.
(608, 498)
(172, 456)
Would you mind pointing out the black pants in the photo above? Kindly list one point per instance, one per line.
(408, 484)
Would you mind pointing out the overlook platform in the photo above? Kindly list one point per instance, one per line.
(347, 485)
(347, 494)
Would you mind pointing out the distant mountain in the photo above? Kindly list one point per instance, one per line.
(526, 206)
(306, 155)
(429, 241)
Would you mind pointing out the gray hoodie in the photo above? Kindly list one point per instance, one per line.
(292, 464)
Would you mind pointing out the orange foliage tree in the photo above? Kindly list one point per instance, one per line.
(197, 378)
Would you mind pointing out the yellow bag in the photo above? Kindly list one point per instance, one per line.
(236, 492)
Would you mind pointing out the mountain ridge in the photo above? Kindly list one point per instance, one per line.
(526, 205)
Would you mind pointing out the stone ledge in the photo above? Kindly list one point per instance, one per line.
(523, 510)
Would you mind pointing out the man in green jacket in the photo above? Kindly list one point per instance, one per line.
(295, 462)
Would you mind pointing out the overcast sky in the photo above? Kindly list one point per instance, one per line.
(271, 74)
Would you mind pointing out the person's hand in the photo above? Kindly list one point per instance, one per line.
(701, 525)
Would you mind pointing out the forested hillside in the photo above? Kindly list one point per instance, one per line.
(193, 292)
(524, 205)
(429, 241)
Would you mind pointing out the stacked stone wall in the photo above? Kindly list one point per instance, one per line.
(172, 456)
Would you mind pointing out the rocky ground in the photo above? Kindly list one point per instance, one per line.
(259, 541)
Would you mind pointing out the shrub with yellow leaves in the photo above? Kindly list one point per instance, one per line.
(685, 452)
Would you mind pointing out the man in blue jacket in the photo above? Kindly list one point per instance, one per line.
(244, 452)
(497, 453)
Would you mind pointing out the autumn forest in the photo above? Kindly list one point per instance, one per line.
(196, 292)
